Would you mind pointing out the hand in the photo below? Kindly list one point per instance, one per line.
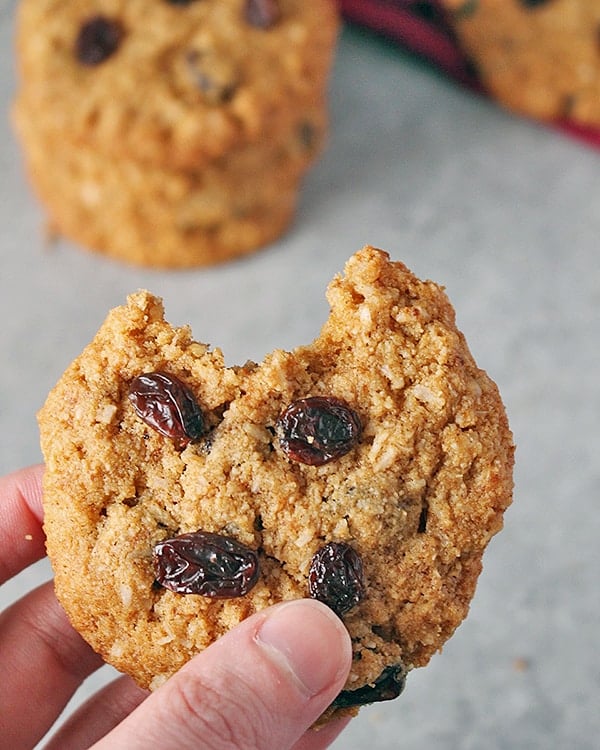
(259, 687)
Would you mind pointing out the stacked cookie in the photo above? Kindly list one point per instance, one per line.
(172, 133)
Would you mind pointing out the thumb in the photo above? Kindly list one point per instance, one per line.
(261, 686)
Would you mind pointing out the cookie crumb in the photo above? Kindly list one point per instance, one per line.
(521, 664)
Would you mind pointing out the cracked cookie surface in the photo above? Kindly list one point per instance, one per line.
(417, 493)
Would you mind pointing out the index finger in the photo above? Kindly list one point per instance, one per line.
(21, 535)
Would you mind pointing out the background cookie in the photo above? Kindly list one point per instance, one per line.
(115, 97)
(420, 475)
(538, 57)
(151, 216)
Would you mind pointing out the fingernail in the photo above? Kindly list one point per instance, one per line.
(305, 638)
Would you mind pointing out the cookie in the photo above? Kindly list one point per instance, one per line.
(150, 216)
(369, 469)
(194, 95)
(538, 57)
(173, 84)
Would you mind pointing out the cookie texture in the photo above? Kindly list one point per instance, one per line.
(538, 57)
(414, 491)
(206, 114)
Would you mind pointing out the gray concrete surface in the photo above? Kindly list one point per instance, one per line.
(505, 214)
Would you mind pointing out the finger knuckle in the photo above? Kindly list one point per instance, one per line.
(221, 721)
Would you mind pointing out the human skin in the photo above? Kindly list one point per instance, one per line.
(260, 687)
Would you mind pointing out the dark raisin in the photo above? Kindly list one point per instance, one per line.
(214, 77)
(98, 38)
(258, 523)
(466, 10)
(422, 525)
(385, 632)
(533, 3)
(335, 577)
(386, 687)
(425, 10)
(166, 404)
(205, 563)
(262, 13)
(568, 103)
(318, 429)
(308, 135)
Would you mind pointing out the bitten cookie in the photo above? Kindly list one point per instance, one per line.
(177, 132)
(538, 57)
(368, 469)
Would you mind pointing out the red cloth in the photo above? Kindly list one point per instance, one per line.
(421, 28)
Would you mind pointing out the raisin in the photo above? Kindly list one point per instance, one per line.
(167, 405)
(335, 577)
(386, 687)
(318, 429)
(98, 38)
(262, 13)
(533, 3)
(214, 77)
(308, 135)
(466, 10)
(425, 10)
(422, 525)
(205, 563)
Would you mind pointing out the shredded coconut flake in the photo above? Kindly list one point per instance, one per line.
(365, 315)
(425, 395)
(164, 640)
(304, 538)
(126, 594)
(157, 681)
(106, 414)
(117, 650)
(383, 453)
